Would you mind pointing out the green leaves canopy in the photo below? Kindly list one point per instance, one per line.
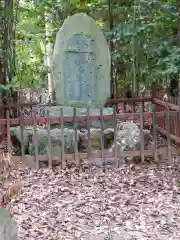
(150, 25)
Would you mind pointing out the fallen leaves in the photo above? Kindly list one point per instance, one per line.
(5, 166)
(14, 190)
(132, 202)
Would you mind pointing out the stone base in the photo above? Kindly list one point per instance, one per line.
(55, 111)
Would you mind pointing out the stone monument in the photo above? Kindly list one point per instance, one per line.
(8, 228)
(81, 64)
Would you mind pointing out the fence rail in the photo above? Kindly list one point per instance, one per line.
(56, 120)
(173, 110)
(161, 117)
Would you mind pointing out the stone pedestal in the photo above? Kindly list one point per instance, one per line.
(68, 112)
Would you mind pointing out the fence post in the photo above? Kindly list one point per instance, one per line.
(102, 132)
(141, 132)
(77, 159)
(89, 133)
(178, 118)
(154, 131)
(157, 108)
(35, 140)
(124, 107)
(153, 90)
(2, 116)
(115, 137)
(49, 140)
(143, 109)
(62, 138)
(8, 135)
(134, 94)
(168, 133)
(22, 134)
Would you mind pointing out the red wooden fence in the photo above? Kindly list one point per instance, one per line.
(171, 104)
(164, 118)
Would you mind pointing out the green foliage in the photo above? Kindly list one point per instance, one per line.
(144, 34)
(30, 47)
(156, 48)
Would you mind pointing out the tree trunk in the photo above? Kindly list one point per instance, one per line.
(178, 20)
(6, 26)
(49, 49)
(111, 46)
(178, 38)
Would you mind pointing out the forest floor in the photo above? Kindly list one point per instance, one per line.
(133, 202)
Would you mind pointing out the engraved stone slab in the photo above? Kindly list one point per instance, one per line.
(81, 63)
(8, 228)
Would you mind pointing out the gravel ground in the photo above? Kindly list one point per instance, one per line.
(134, 202)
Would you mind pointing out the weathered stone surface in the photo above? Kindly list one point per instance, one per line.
(68, 112)
(81, 63)
(95, 137)
(128, 137)
(8, 228)
(42, 135)
(16, 137)
(147, 139)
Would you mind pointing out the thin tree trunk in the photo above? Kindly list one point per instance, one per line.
(111, 46)
(49, 49)
(178, 38)
(6, 25)
(134, 83)
(178, 20)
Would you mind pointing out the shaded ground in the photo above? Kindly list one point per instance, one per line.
(134, 202)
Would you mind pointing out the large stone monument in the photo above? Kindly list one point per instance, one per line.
(81, 64)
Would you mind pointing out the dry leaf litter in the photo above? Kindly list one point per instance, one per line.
(132, 202)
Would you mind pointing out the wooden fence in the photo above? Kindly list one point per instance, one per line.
(141, 117)
(171, 105)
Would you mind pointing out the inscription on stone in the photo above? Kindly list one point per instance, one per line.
(81, 64)
(80, 70)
